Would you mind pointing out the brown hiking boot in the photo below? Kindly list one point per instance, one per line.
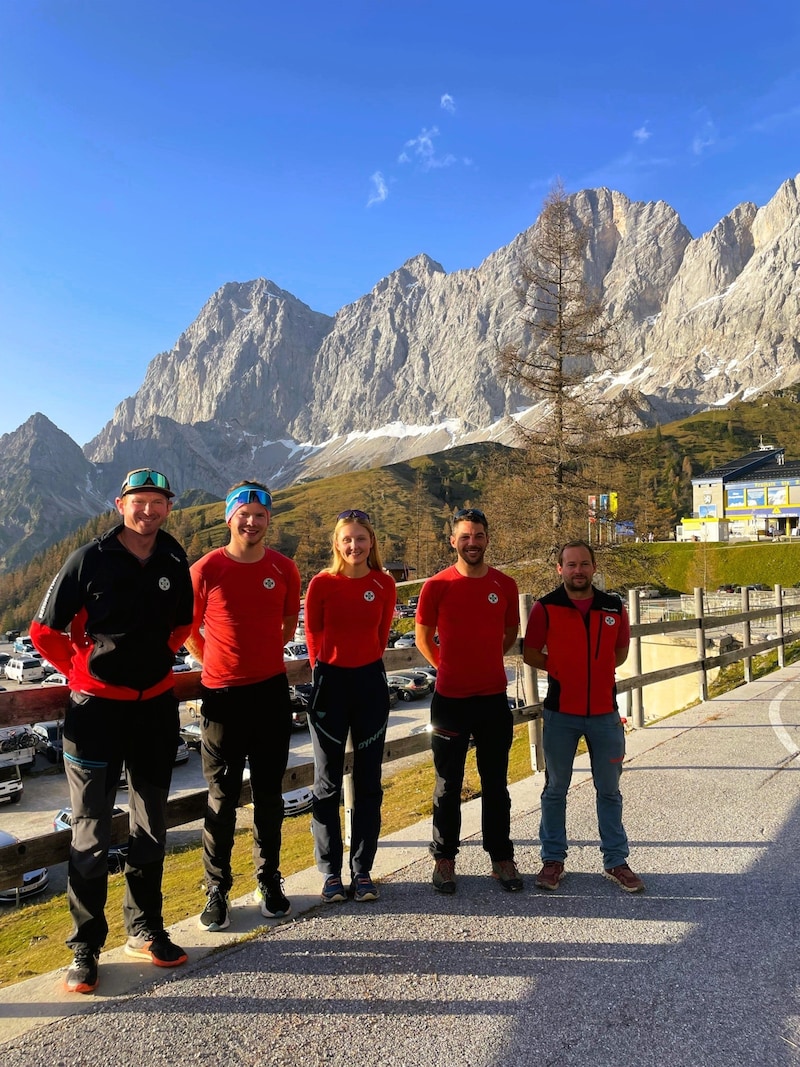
(625, 878)
(550, 875)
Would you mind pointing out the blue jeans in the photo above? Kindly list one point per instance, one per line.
(605, 740)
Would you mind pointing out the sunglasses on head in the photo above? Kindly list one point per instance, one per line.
(361, 516)
(248, 496)
(470, 515)
(143, 477)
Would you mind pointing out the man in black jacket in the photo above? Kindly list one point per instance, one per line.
(111, 622)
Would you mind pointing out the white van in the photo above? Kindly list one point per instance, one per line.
(25, 669)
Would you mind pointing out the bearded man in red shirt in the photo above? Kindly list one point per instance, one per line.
(473, 609)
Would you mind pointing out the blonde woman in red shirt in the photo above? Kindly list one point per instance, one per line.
(348, 615)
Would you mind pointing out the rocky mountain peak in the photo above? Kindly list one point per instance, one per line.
(261, 385)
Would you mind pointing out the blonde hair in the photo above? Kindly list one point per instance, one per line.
(337, 564)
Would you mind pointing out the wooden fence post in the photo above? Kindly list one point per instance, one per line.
(531, 687)
(637, 705)
(701, 642)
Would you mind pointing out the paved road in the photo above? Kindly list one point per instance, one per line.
(701, 970)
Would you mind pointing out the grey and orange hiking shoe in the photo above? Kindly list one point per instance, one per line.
(506, 873)
(81, 976)
(444, 876)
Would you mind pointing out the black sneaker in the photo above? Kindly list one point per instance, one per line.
(157, 948)
(363, 888)
(333, 891)
(216, 912)
(270, 896)
(81, 976)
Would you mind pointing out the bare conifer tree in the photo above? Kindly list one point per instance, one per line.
(568, 345)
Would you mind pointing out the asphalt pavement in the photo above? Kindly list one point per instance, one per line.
(701, 969)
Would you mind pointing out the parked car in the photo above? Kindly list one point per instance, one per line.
(427, 669)
(24, 669)
(55, 679)
(190, 734)
(295, 650)
(299, 707)
(4, 658)
(117, 854)
(647, 592)
(296, 801)
(409, 684)
(406, 641)
(33, 882)
(50, 739)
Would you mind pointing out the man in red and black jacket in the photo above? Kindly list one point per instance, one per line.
(111, 622)
(579, 636)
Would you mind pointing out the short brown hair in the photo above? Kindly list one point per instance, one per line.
(576, 544)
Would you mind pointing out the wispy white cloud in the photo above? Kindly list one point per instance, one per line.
(447, 103)
(380, 190)
(642, 134)
(706, 135)
(422, 148)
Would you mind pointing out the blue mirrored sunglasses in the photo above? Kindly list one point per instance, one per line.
(143, 477)
(248, 496)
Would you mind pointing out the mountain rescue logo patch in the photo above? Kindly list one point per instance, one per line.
(269, 583)
(163, 584)
(493, 598)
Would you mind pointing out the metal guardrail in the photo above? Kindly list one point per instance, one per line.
(33, 704)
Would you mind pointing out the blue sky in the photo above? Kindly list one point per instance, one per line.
(151, 152)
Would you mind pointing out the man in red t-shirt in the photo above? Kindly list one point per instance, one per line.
(246, 604)
(473, 609)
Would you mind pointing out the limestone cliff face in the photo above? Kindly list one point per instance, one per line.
(730, 324)
(260, 376)
(245, 362)
(46, 489)
(260, 385)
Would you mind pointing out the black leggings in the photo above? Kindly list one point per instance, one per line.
(354, 700)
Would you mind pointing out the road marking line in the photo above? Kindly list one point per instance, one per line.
(777, 723)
